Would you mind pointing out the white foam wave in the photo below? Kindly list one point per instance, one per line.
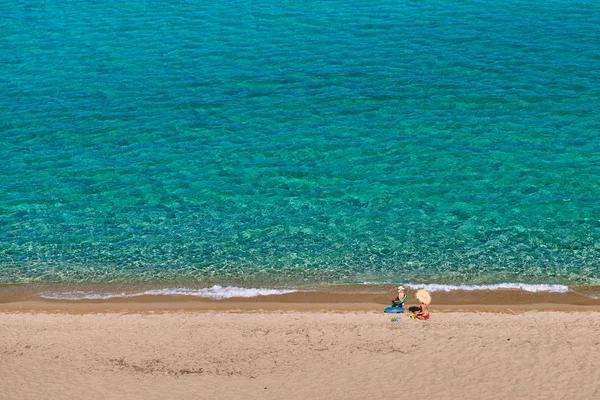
(216, 293)
(434, 287)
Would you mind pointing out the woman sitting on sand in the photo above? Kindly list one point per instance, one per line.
(425, 298)
(399, 301)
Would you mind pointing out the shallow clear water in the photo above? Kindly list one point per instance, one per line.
(298, 142)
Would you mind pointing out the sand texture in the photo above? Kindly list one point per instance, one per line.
(299, 355)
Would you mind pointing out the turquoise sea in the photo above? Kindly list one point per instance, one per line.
(261, 143)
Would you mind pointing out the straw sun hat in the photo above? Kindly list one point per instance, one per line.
(423, 296)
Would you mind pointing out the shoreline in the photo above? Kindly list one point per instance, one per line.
(351, 298)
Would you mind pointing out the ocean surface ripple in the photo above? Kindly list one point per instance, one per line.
(294, 143)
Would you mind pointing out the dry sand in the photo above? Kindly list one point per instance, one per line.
(299, 354)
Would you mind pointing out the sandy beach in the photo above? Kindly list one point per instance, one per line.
(276, 350)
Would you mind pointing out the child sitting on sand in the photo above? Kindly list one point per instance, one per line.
(399, 301)
(423, 312)
(425, 298)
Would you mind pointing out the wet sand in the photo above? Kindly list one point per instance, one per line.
(341, 298)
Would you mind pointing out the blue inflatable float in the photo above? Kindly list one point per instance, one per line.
(394, 310)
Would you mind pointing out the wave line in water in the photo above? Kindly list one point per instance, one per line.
(216, 293)
(435, 287)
